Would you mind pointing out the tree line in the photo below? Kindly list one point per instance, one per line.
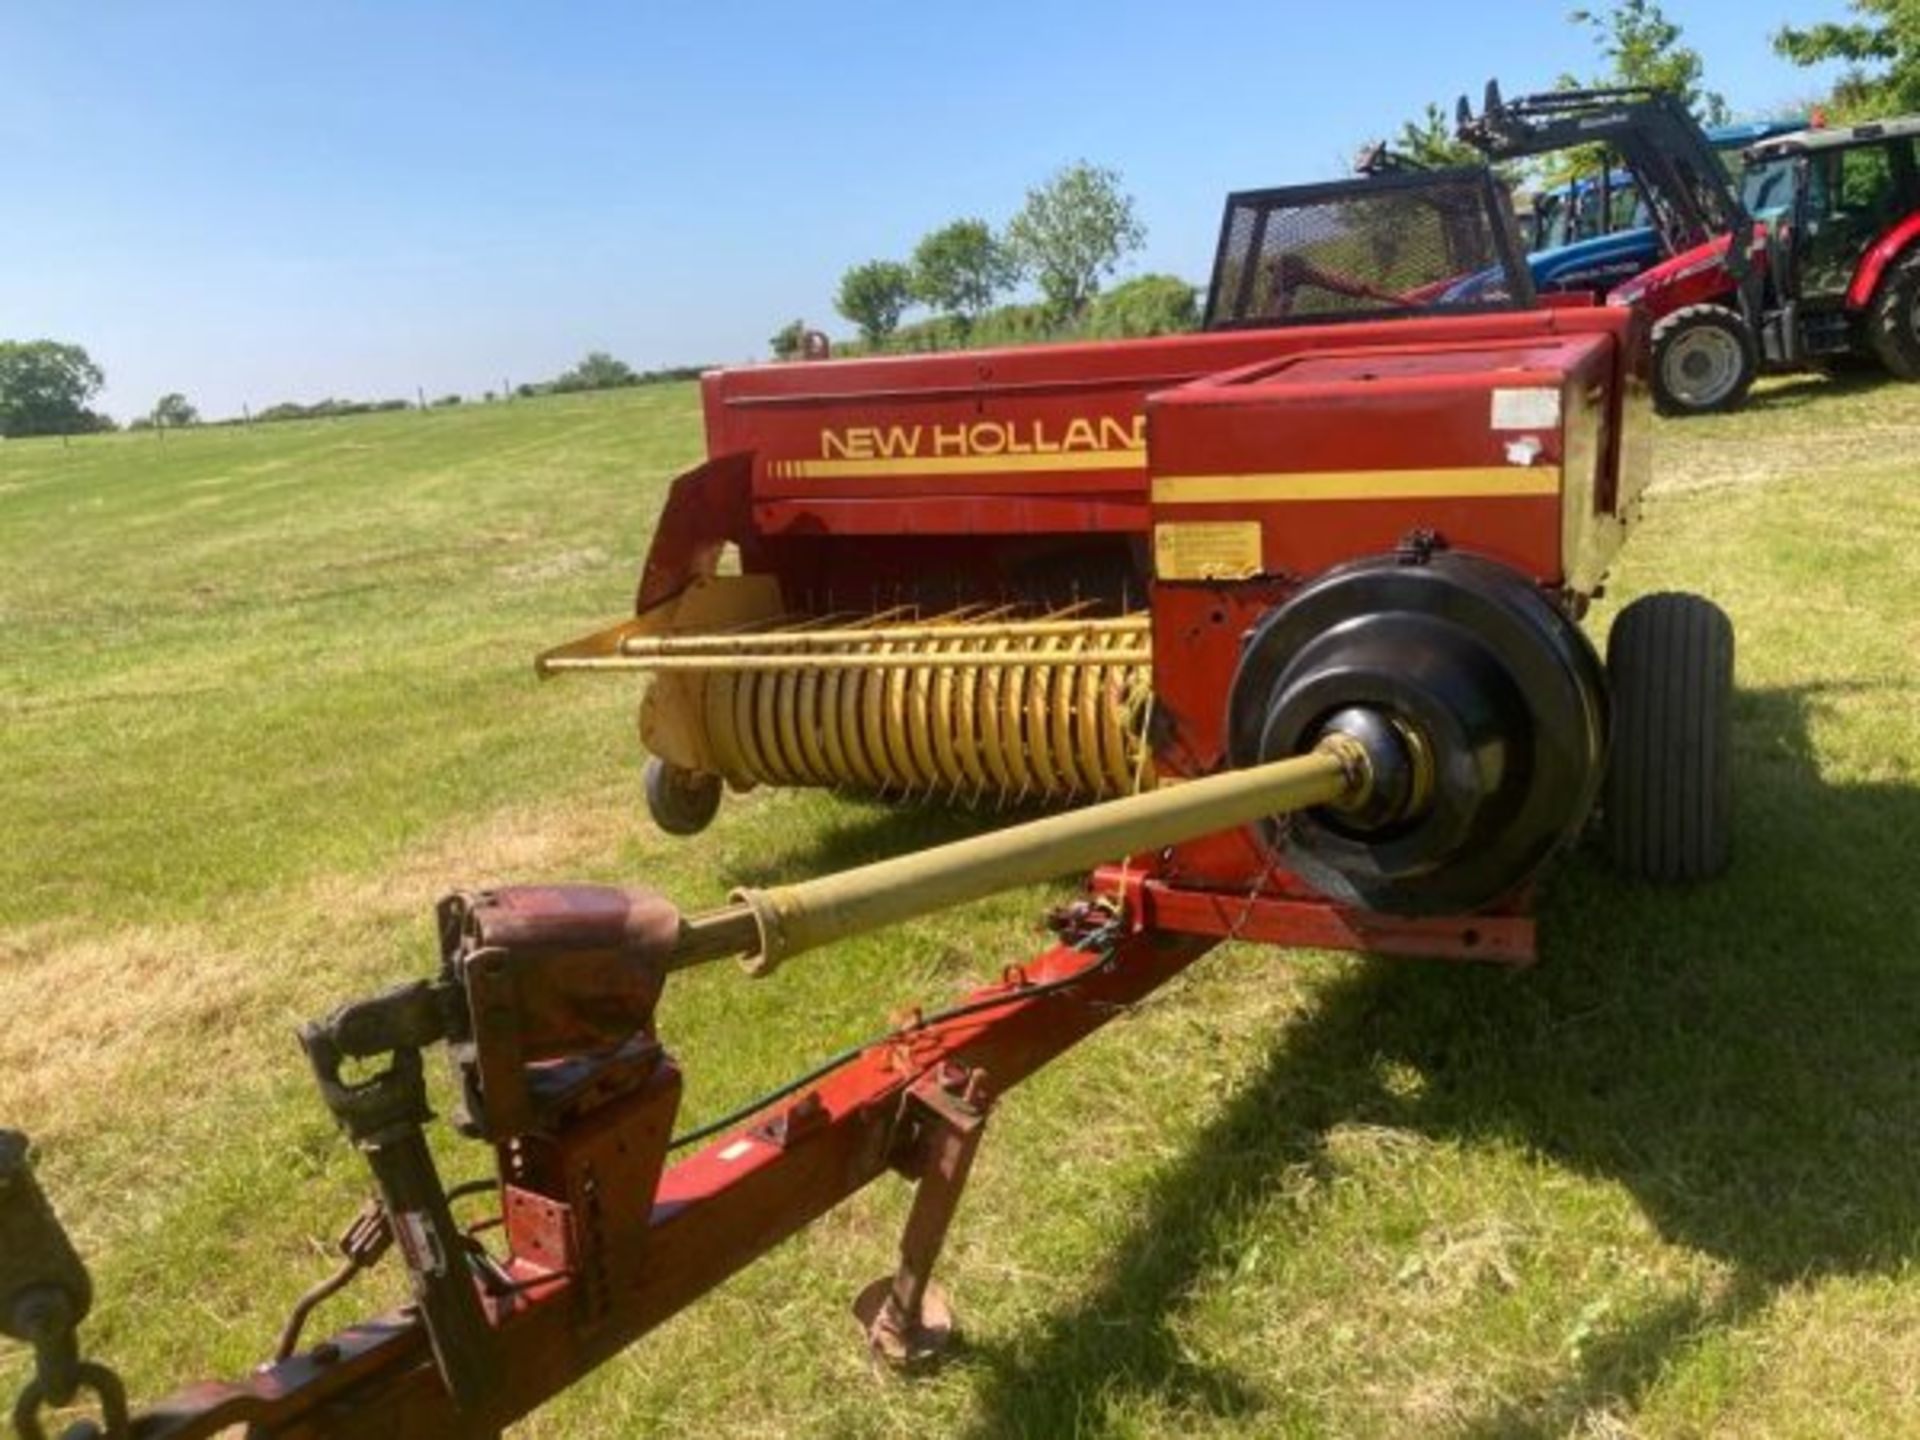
(1070, 235)
(46, 387)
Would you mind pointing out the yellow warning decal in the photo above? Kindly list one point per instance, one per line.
(1206, 549)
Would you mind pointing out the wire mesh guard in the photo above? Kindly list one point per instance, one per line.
(1423, 243)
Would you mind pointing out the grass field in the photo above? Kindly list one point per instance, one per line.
(266, 694)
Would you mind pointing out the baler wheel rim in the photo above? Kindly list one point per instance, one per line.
(1722, 344)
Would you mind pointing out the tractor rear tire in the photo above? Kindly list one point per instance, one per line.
(681, 802)
(1893, 320)
(1704, 359)
(1668, 803)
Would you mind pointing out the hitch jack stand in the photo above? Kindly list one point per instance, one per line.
(906, 1317)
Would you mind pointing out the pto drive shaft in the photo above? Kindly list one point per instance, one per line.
(766, 926)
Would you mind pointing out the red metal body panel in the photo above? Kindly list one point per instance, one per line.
(1019, 407)
(1888, 248)
(1430, 416)
(1413, 412)
(1047, 447)
(1693, 277)
(707, 508)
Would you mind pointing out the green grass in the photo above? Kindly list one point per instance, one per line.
(266, 694)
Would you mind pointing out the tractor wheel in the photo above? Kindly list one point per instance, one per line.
(680, 801)
(1704, 359)
(1893, 320)
(1669, 795)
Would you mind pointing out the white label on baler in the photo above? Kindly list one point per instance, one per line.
(1535, 409)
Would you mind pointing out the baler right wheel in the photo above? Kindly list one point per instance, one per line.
(680, 801)
(1669, 792)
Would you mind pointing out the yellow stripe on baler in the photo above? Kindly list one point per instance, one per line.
(1458, 483)
(989, 464)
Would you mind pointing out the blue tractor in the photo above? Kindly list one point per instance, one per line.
(1593, 233)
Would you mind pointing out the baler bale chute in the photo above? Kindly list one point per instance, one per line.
(1282, 619)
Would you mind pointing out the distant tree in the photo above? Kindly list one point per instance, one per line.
(1073, 231)
(789, 340)
(171, 411)
(445, 401)
(1430, 140)
(1146, 305)
(599, 371)
(873, 296)
(1641, 46)
(44, 389)
(1881, 50)
(959, 270)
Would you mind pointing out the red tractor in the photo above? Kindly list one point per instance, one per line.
(1812, 260)
(1836, 216)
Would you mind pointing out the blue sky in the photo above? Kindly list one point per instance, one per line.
(253, 203)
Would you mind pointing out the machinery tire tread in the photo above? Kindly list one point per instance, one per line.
(1892, 331)
(1683, 319)
(1668, 806)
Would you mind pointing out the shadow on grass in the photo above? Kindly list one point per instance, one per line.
(1740, 1056)
(1797, 391)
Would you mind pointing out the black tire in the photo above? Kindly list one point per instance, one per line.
(681, 802)
(1669, 793)
(1893, 320)
(1704, 359)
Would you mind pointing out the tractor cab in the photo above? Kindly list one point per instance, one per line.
(1586, 208)
(1841, 209)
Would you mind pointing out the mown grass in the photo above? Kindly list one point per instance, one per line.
(266, 694)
